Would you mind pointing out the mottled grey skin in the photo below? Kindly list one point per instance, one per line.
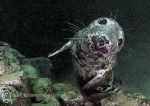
(94, 50)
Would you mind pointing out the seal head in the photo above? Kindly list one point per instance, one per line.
(105, 37)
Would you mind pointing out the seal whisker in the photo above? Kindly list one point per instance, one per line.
(73, 25)
(81, 23)
(117, 13)
(76, 38)
(74, 28)
(69, 30)
(111, 14)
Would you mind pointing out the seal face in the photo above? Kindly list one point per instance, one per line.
(94, 50)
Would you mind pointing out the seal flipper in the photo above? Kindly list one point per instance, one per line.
(65, 47)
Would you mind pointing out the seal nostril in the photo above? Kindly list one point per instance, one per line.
(101, 42)
(102, 21)
(95, 39)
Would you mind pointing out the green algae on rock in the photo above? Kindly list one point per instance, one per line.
(30, 71)
(52, 102)
(125, 99)
(42, 89)
(42, 64)
(68, 94)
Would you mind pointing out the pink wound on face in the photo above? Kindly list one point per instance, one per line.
(103, 50)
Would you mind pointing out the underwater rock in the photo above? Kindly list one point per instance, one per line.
(68, 95)
(42, 87)
(42, 64)
(125, 100)
(97, 97)
(88, 104)
(12, 77)
(13, 82)
(52, 102)
(7, 94)
(23, 76)
(9, 59)
(30, 72)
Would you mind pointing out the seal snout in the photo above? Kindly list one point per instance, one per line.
(99, 45)
(99, 41)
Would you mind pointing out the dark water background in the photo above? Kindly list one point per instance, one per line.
(34, 28)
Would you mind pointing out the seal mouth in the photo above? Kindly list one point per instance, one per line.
(99, 46)
(101, 51)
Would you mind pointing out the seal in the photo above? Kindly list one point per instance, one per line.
(94, 51)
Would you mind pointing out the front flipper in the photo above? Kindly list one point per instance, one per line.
(65, 47)
(97, 79)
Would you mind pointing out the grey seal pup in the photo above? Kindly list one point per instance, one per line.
(94, 51)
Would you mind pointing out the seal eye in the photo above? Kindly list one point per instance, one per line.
(120, 42)
(102, 21)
